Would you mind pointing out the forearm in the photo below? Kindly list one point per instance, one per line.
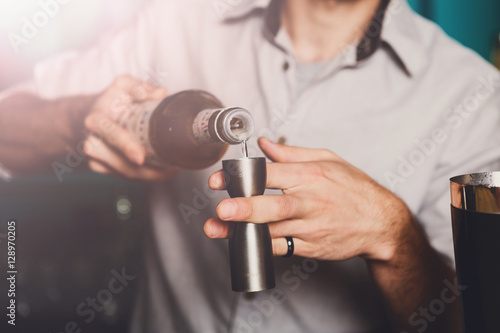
(34, 131)
(415, 284)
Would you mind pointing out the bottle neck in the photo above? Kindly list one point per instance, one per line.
(230, 125)
(201, 127)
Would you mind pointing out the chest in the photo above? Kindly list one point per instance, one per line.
(371, 115)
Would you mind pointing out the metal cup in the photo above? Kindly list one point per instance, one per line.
(475, 209)
(250, 247)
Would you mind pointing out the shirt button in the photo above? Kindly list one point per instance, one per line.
(249, 296)
(286, 65)
(282, 140)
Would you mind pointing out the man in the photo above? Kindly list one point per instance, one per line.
(388, 107)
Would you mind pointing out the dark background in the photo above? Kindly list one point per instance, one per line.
(72, 234)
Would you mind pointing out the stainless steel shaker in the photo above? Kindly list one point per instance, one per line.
(475, 208)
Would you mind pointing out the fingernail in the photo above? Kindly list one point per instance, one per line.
(227, 210)
(216, 182)
(215, 229)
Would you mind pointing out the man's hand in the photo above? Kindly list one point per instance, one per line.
(112, 150)
(332, 210)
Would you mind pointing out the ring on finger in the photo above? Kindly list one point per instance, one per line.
(291, 247)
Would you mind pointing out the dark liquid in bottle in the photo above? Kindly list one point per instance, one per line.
(477, 256)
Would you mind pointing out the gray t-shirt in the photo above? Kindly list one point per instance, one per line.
(308, 73)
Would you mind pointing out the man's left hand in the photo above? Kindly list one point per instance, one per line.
(333, 210)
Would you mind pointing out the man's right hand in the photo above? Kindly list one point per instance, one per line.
(111, 149)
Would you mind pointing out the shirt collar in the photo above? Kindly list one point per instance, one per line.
(400, 34)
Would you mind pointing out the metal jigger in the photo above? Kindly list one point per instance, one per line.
(250, 247)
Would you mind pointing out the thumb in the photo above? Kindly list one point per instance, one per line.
(283, 153)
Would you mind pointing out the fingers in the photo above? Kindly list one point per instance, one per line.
(289, 175)
(98, 167)
(297, 166)
(263, 209)
(280, 247)
(216, 181)
(105, 160)
(282, 153)
(111, 148)
(122, 93)
(116, 136)
(217, 229)
(279, 175)
(293, 227)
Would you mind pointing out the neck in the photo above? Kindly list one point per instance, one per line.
(320, 29)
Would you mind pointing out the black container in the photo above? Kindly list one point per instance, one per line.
(475, 213)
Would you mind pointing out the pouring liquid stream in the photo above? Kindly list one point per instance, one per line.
(244, 148)
(239, 129)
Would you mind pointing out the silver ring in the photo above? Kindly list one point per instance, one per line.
(289, 242)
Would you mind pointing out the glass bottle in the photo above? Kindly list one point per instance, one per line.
(190, 129)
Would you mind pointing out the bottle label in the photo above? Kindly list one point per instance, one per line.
(200, 126)
(136, 121)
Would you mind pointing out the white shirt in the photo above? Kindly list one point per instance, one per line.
(419, 110)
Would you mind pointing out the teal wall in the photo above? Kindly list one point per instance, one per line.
(471, 22)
